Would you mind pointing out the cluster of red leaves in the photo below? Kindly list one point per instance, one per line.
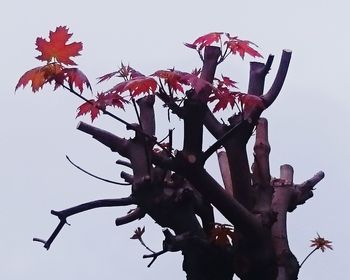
(234, 45)
(56, 53)
(222, 235)
(223, 93)
(321, 243)
(94, 106)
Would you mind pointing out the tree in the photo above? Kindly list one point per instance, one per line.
(172, 185)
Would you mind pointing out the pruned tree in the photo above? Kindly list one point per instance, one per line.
(171, 184)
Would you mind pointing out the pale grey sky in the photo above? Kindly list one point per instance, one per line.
(308, 127)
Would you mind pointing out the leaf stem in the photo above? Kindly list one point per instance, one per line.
(308, 256)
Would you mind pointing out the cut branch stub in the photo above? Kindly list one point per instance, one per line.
(225, 171)
(115, 143)
(147, 114)
(261, 166)
(257, 74)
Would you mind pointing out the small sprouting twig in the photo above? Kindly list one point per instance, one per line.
(319, 243)
(154, 256)
(92, 175)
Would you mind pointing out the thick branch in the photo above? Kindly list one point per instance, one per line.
(288, 266)
(257, 74)
(147, 114)
(134, 215)
(276, 87)
(115, 143)
(261, 166)
(233, 211)
(304, 191)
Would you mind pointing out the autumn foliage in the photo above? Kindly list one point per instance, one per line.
(58, 54)
(171, 185)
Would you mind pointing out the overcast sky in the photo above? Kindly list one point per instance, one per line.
(308, 126)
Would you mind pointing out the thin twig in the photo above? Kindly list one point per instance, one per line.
(97, 177)
(154, 256)
(308, 256)
(219, 142)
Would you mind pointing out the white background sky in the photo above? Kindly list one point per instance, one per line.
(309, 127)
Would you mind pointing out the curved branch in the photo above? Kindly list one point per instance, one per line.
(64, 214)
(97, 177)
(276, 87)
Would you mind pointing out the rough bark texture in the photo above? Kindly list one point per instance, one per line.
(176, 189)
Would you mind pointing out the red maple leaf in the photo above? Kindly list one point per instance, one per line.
(56, 47)
(205, 40)
(192, 80)
(39, 76)
(225, 97)
(125, 71)
(93, 107)
(136, 86)
(89, 107)
(106, 77)
(225, 82)
(75, 77)
(241, 47)
(141, 85)
(171, 77)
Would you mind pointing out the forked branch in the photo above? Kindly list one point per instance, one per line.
(64, 214)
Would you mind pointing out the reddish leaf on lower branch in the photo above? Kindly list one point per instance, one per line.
(75, 77)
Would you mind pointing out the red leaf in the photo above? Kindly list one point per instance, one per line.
(241, 47)
(141, 85)
(136, 86)
(193, 80)
(103, 100)
(226, 81)
(125, 71)
(75, 77)
(251, 102)
(225, 98)
(89, 108)
(205, 40)
(108, 99)
(56, 47)
(171, 77)
(106, 77)
(39, 76)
